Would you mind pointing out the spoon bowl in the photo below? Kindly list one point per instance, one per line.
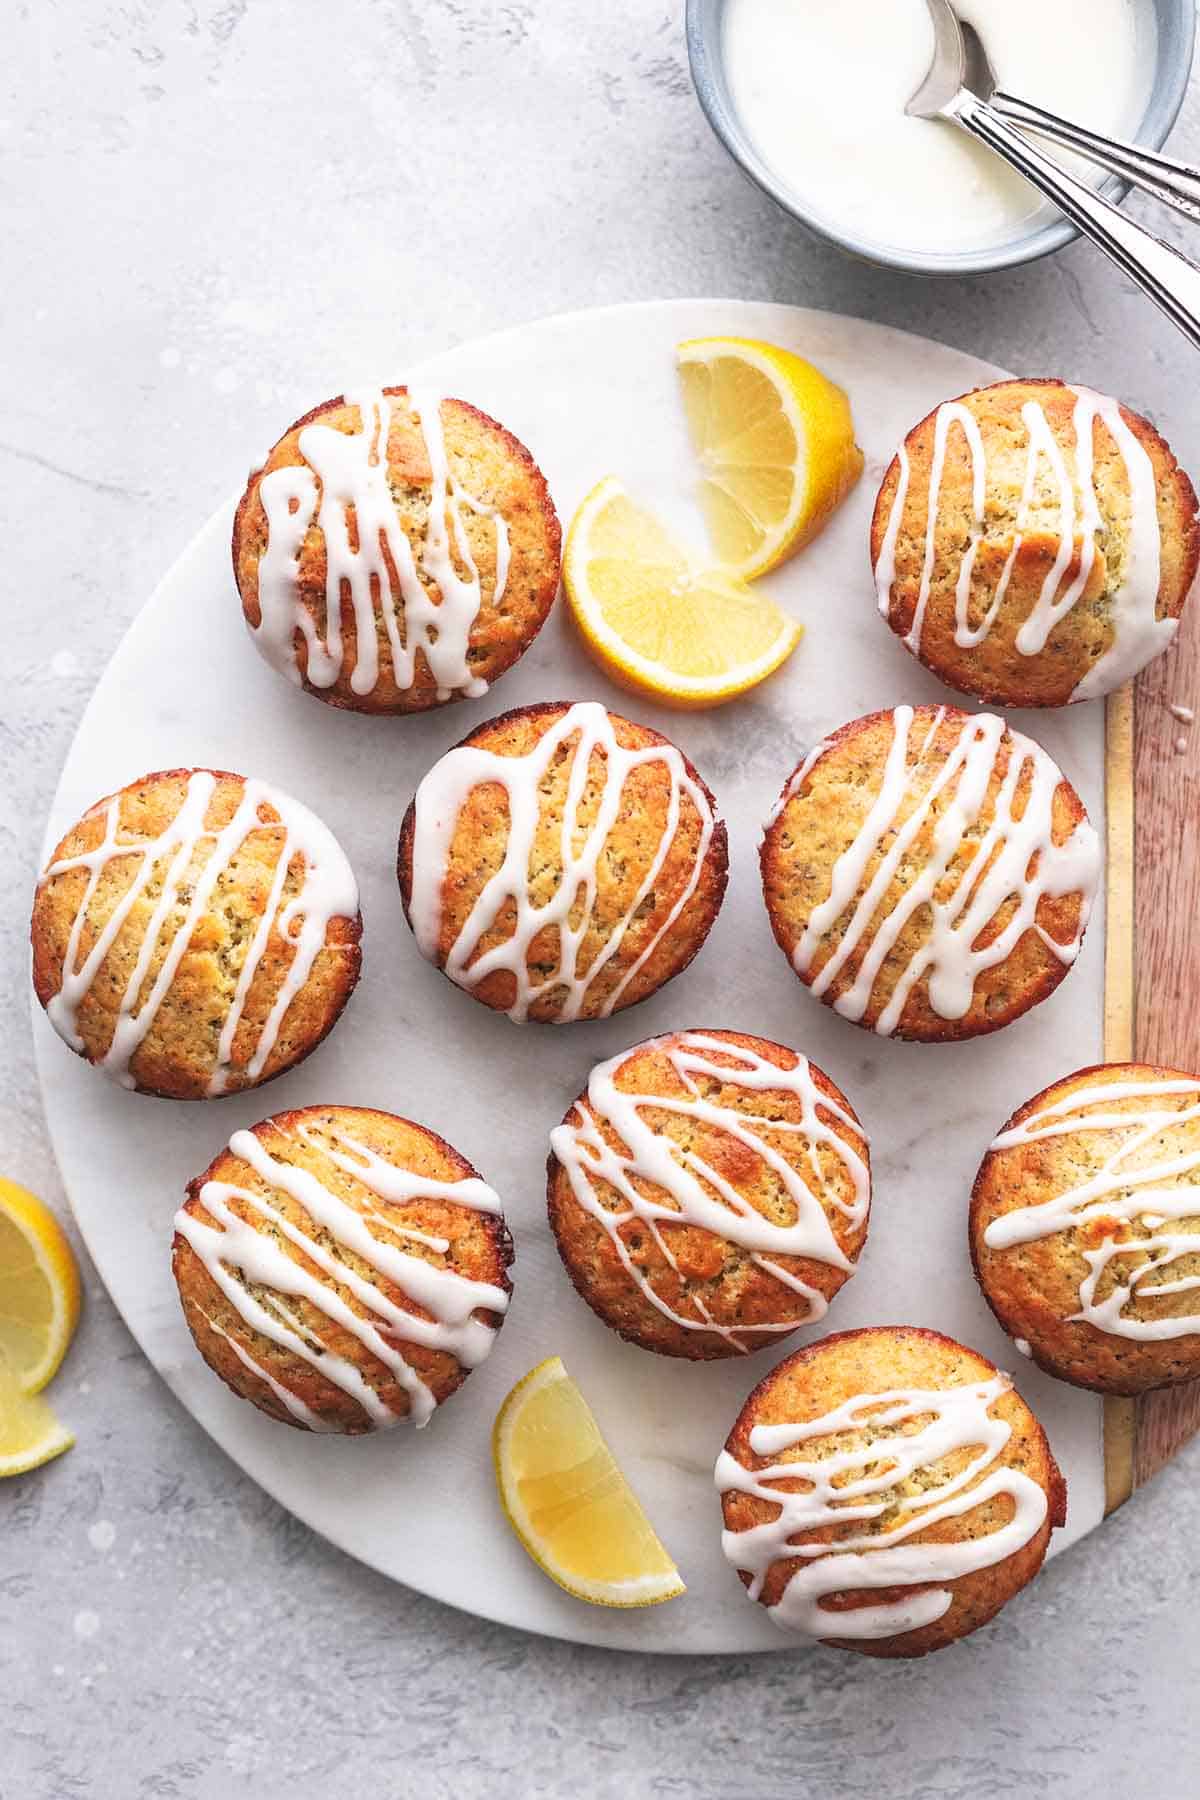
(947, 73)
(959, 60)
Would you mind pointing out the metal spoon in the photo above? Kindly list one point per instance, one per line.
(948, 92)
(1175, 183)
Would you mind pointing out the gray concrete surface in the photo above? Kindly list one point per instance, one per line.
(211, 213)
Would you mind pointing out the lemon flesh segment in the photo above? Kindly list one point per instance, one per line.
(775, 439)
(30, 1435)
(658, 623)
(567, 1500)
(39, 1289)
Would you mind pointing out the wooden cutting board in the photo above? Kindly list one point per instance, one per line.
(1152, 977)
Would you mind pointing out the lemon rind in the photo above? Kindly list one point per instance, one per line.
(45, 1451)
(658, 680)
(56, 1261)
(634, 1592)
(796, 530)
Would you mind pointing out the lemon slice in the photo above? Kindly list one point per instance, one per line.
(39, 1290)
(776, 442)
(567, 1500)
(657, 622)
(30, 1435)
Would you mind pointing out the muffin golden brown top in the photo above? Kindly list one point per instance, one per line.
(342, 1268)
(195, 934)
(396, 551)
(1085, 1227)
(929, 874)
(1034, 543)
(562, 862)
(887, 1491)
(709, 1193)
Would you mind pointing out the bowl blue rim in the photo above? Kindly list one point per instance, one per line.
(1166, 99)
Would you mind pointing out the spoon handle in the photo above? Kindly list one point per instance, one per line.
(1176, 183)
(1171, 280)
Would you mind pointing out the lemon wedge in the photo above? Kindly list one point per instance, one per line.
(656, 621)
(39, 1289)
(567, 1500)
(30, 1435)
(776, 442)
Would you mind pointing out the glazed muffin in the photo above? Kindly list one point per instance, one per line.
(887, 1491)
(562, 863)
(341, 1268)
(929, 875)
(1034, 543)
(709, 1193)
(396, 551)
(195, 934)
(1085, 1228)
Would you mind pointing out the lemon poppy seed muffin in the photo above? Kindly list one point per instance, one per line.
(709, 1193)
(887, 1491)
(928, 874)
(195, 934)
(1085, 1228)
(342, 1268)
(562, 862)
(1034, 543)
(396, 550)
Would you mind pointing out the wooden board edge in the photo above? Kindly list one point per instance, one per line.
(1119, 1415)
(1166, 781)
(1120, 989)
(1152, 964)
(1119, 1423)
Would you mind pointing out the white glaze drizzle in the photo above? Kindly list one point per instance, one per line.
(299, 1409)
(947, 415)
(1147, 1193)
(685, 1179)
(859, 1483)
(345, 474)
(794, 784)
(1184, 714)
(232, 1244)
(998, 869)
(327, 890)
(1138, 635)
(885, 566)
(441, 797)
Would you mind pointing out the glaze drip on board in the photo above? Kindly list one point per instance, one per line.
(1138, 634)
(1135, 1189)
(1015, 858)
(439, 801)
(239, 1246)
(327, 891)
(343, 488)
(689, 1191)
(920, 1429)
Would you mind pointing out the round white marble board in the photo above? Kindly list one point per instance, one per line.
(591, 393)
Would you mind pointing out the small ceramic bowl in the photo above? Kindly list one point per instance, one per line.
(1176, 38)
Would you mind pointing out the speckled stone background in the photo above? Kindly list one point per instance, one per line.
(213, 213)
